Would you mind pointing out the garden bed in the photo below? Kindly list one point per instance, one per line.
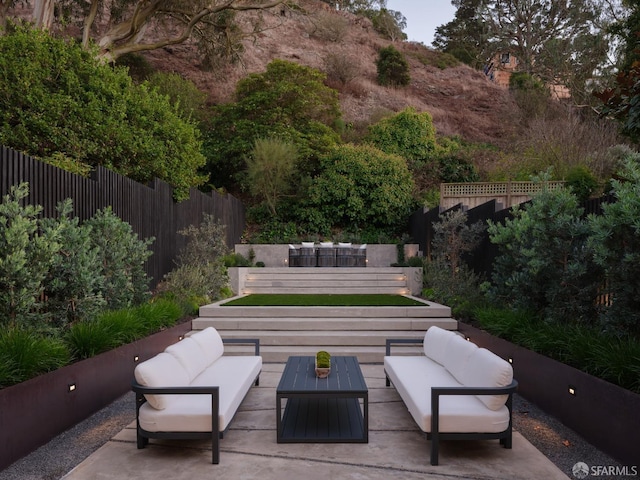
(35, 411)
(604, 414)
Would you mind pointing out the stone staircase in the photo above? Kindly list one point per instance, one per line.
(394, 280)
(360, 331)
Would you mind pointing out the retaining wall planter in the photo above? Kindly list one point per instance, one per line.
(604, 414)
(35, 411)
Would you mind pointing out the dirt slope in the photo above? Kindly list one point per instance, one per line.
(461, 100)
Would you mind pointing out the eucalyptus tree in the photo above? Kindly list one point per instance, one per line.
(128, 26)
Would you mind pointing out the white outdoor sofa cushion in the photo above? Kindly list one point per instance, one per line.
(455, 390)
(178, 389)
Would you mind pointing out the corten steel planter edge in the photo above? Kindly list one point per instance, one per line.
(35, 411)
(604, 414)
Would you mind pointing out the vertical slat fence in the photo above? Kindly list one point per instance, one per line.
(149, 209)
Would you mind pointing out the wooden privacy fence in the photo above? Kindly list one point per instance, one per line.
(149, 209)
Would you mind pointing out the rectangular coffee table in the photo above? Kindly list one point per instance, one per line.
(322, 410)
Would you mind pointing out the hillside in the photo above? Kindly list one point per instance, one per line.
(461, 100)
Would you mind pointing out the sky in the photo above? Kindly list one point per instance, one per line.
(423, 16)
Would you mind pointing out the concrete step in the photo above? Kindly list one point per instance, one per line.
(325, 337)
(329, 290)
(430, 310)
(334, 324)
(324, 280)
(280, 354)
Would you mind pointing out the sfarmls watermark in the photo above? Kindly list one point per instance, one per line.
(582, 470)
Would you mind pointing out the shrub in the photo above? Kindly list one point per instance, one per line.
(408, 134)
(72, 288)
(393, 68)
(330, 27)
(582, 182)
(121, 257)
(26, 254)
(543, 265)
(359, 186)
(615, 242)
(446, 277)
(341, 68)
(182, 93)
(200, 272)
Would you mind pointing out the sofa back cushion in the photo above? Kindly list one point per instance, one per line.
(163, 370)
(457, 355)
(435, 343)
(486, 369)
(190, 355)
(210, 343)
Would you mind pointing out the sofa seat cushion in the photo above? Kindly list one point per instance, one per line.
(413, 377)
(192, 413)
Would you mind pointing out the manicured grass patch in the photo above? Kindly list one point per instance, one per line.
(324, 300)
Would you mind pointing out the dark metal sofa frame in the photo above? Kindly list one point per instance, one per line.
(436, 435)
(143, 436)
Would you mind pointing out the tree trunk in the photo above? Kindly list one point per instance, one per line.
(43, 14)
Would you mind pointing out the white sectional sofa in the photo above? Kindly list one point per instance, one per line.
(191, 390)
(456, 390)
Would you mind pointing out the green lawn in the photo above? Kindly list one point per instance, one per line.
(320, 300)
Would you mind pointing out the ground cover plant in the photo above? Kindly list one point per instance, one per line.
(26, 352)
(611, 357)
(324, 300)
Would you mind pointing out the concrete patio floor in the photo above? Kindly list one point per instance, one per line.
(249, 450)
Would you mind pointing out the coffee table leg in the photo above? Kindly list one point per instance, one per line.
(278, 418)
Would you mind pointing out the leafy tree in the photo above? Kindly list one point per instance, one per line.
(289, 102)
(464, 37)
(393, 68)
(552, 39)
(559, 41)
(616, 244)
(543, 265)
(56, 99)
(126, 23)
(390, 24)
(359, 186)
(182, 93)
(270, 166)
